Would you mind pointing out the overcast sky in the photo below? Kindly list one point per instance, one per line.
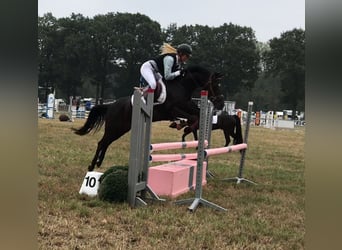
(268, 18)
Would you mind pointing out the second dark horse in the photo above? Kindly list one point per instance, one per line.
(229, 124)
(117, 116)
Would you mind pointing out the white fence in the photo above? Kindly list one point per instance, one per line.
(69, 110)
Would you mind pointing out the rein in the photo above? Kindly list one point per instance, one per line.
(210, 84)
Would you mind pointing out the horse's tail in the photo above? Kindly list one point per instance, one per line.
(96, 119)
(238, 131)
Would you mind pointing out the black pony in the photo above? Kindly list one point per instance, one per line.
(117, 116)
(230, 124)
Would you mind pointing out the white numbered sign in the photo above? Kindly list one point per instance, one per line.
(90, 183)
(214, 119)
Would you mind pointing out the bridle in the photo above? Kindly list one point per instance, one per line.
(209, 85)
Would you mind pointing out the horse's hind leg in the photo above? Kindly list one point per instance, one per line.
(93, 162)
(102, 153)
(102, 146)
(234, 139)
(227, 136)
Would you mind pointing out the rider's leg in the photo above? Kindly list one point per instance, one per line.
(154, 80)
(147, 72)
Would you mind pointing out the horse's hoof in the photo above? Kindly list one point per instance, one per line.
(90, 168)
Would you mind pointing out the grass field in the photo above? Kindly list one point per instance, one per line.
(269, 215)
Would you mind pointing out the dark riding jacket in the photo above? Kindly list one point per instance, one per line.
(160, 63)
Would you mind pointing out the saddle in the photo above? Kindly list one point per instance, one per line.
(159, 93)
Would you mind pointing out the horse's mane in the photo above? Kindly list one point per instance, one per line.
(193, 68)
(198, 74)
(195, 76)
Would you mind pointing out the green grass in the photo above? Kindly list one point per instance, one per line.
(269, 215)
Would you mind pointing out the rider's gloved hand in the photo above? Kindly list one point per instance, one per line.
(182, 72)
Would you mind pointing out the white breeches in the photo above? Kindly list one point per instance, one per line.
(150, 75)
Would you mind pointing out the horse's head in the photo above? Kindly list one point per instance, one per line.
(197, 77)
(214, 90)
(210, 81)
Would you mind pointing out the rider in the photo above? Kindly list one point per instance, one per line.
(166, 66)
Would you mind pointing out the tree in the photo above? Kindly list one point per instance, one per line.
(267, 94)
(102, 56)
(101, 53)
(230, 49)
(119, 44)
(237, 56)
(62, 53)
(72, 40)
(286, 59)
(135, 38)
(47, 55)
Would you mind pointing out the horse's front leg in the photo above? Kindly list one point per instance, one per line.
(191, 118)
(194, 132)
(227, 136)
(184, 135)
(187, 130)
(189, 111)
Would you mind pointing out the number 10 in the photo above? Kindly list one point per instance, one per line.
(91, 181)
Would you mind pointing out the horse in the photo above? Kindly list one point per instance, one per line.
(117, 116)
(230, 124)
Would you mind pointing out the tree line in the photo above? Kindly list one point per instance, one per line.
(101, 57)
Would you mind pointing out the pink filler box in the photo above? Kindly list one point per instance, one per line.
(175, 178)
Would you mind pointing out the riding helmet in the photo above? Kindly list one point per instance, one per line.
(184, 49)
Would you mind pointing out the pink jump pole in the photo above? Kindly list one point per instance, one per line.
(191, 156)
(174, 145)
(172, 157)
(217, 151)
